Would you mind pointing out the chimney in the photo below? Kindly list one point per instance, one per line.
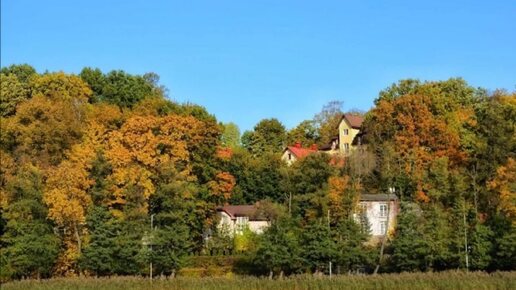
(297, 145)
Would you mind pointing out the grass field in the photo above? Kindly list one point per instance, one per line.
(412, 281)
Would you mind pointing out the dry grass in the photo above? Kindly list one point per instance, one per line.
(408, 281)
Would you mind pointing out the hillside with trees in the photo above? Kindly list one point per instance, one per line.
(102, 174)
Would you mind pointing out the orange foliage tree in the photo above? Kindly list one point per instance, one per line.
(504, 183)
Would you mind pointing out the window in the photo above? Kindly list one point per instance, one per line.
(345, 132)
(383, 210)
(289, 156)
(383, 228)
(241, 223)
(346, 147)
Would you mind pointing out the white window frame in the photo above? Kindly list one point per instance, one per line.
(345, 132)
(383, 228)
(383, 210)
(241, 223)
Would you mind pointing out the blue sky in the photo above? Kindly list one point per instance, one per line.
(249, 60)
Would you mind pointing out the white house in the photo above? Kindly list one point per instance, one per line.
(375, 211)
(237, 217)
(293, 153)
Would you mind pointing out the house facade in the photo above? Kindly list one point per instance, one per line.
(375, 212)
(236, 218)
(378, 213)
(293, 153)
(349, 136)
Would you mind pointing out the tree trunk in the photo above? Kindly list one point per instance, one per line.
(270, 275)
(78, 238)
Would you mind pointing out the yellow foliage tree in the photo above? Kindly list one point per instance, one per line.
(504, 183)
(141, 145)
(61, 86)
(68, 200)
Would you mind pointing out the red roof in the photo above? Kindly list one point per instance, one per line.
(355, 121)
(301, 152)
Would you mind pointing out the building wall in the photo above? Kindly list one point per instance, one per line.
(258, 226)
(372, 210)
(346, 139)
(226, 221)
(285, 157)
(255, 226)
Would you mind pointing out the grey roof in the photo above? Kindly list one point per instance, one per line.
(378, 197)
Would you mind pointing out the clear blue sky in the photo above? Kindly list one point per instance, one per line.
(248, 60)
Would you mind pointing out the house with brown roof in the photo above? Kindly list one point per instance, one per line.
(236, 218)
(349, 135)
(293, 153)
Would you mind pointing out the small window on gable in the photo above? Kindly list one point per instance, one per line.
(290, 156)
(345, 131)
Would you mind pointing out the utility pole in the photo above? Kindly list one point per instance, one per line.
(290, 203)
(152, 229)
(329, 229)
(392, 190)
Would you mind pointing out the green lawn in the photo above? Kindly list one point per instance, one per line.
(412, 281)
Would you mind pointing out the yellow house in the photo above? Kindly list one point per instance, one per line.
(349, 137)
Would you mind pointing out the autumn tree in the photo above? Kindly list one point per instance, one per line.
(68, 200)
(12, 93)
(24, 72)
(50, 122)
(504, 184)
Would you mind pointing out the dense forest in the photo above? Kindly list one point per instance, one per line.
(89, 161)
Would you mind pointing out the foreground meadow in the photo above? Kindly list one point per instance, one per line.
(409, 281)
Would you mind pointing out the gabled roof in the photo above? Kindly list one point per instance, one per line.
(328, 146)
(378, 197)
(235, 211)
(301, 152)
(355, 121)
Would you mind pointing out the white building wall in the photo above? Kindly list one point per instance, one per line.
(255, 226)
(373, 212)
(288, 157)
(258, 226)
